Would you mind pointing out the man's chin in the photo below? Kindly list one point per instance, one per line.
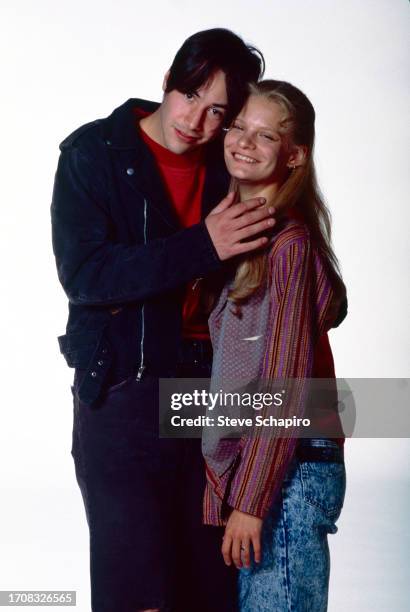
(180, 148)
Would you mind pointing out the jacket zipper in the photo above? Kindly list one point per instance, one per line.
(142, 366)
(195, 284)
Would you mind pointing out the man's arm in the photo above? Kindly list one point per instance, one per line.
(95, 270)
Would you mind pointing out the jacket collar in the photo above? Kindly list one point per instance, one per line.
(120, 127)
(119, 131)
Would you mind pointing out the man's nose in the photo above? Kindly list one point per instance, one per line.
(195, 119)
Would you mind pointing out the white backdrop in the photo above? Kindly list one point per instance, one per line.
(68, 62)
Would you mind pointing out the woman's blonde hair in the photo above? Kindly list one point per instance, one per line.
(300, 189)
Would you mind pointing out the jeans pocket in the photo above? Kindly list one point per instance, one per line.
(119, 385)
(324, 485)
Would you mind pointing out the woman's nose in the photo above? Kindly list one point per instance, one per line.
(246, 141)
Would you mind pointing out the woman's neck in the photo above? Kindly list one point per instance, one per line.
(248, 190)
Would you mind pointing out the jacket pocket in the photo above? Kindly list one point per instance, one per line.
(78, 348)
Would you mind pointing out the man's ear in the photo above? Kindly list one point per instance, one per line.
(165, 81)
(297, 156)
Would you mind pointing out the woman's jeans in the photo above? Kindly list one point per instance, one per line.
(293, 575)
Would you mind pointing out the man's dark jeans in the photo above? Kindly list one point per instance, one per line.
(143, 499)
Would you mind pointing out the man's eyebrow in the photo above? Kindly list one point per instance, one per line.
(216, 104)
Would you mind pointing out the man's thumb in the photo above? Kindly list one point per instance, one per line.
(224, 204)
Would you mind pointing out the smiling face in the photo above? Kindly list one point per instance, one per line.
(189, 120)
(256, 151)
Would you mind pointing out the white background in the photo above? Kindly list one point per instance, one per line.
(68, 62)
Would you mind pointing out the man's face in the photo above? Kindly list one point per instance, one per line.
(189, 120)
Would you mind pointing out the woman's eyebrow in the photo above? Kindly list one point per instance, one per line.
(268, 128)
(262, 128)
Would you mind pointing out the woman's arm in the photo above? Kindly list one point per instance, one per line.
(301, 296)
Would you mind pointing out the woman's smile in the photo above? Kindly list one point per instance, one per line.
(254, 150)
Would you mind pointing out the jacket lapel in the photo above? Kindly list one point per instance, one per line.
(139, 168)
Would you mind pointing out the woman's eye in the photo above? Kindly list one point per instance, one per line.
(189, 95)
(215, 112)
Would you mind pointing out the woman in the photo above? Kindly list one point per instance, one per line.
(278, 497)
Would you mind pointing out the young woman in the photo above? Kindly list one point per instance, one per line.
(279, 497)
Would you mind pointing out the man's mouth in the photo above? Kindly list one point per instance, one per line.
(244, 158)
(185, 137)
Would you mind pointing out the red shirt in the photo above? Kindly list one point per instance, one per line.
(184, 179)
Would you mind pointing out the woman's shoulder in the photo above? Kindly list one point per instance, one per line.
(289, 232)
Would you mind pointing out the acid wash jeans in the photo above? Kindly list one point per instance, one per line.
(293, 575)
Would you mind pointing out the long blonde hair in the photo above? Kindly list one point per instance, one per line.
(300, 190)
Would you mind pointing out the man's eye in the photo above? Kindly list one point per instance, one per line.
(216, 112)
(235, 126)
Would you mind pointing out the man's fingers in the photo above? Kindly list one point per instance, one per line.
(254, 216)
(235, 223)
(243, 207)
(223, 204)
(252, 245)
(255, 229)
(226, 549)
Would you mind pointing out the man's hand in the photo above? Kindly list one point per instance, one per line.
(228, 225)
(241, 530)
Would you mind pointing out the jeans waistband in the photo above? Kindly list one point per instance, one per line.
(319, 450)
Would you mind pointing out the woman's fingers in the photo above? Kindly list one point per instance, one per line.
(246, 552)
(236, 552)
(226, 548)
(257, 550)
(242, 530)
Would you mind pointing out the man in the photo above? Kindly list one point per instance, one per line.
(132, 229)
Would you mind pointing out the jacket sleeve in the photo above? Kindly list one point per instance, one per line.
(295, 323)
(96, 270)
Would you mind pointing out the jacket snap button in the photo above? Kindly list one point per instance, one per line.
(130, 171)
(100, 362)
(104, 351)
(93, 374)
(108, 142)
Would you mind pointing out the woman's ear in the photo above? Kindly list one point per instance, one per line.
(165, 81)
(297, 156)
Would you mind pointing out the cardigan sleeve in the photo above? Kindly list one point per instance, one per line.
(301, 297)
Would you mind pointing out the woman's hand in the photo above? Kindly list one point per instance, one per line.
(241, 530)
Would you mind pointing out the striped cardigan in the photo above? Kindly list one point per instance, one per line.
(276, 336)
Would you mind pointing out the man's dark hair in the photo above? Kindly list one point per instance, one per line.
(204, 53)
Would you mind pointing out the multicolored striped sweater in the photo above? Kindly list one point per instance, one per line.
(281, 333)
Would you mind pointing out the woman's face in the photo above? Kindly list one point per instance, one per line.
(254, 149)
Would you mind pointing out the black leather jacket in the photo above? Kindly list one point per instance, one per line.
(122, 257)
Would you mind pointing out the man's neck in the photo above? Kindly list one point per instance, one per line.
(151, 125)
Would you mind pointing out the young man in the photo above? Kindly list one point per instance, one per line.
(132, 230)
